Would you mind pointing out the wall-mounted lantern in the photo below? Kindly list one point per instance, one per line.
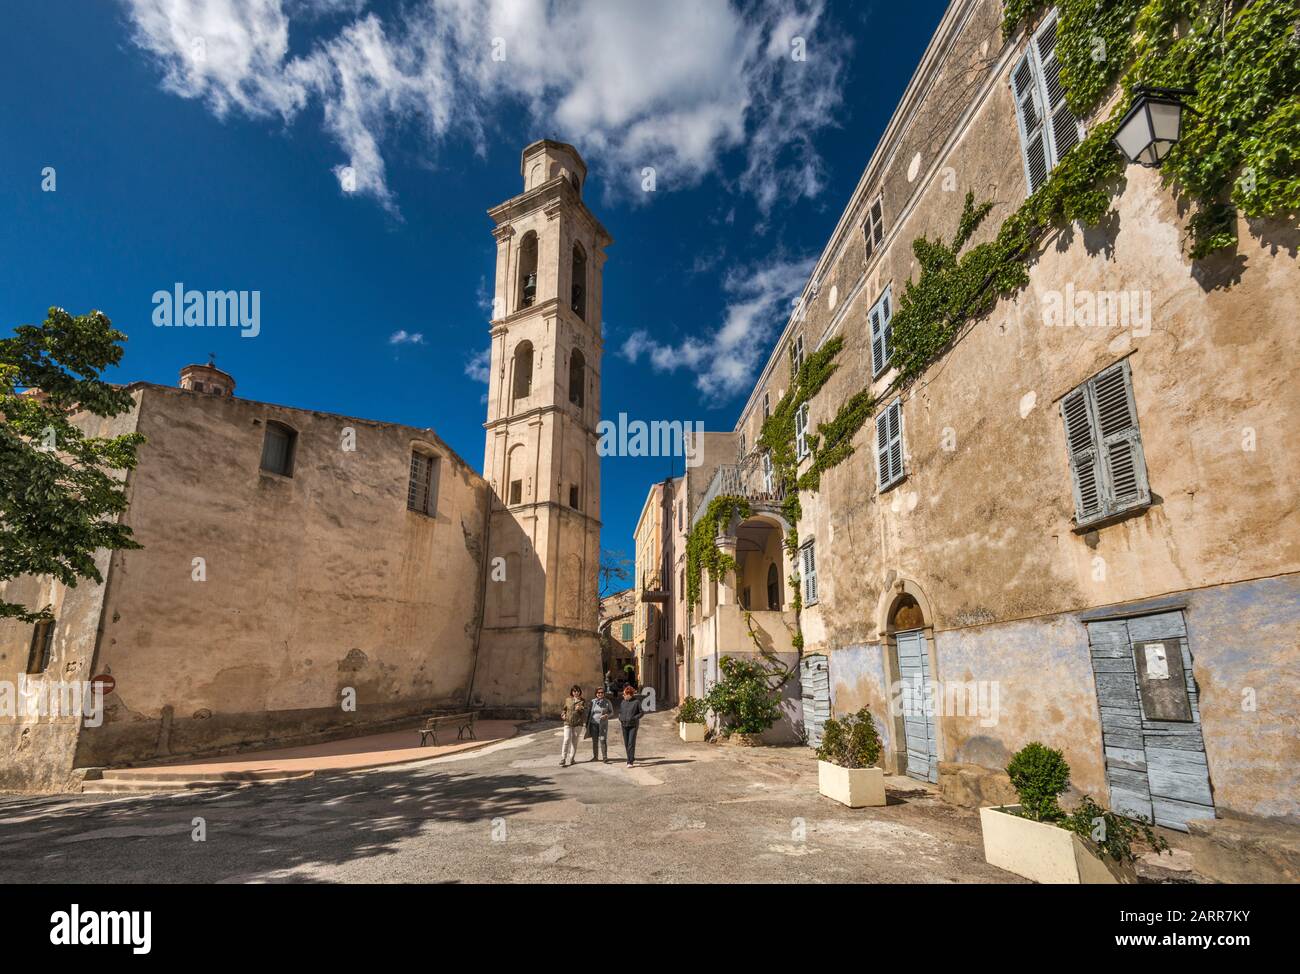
(1153, 124)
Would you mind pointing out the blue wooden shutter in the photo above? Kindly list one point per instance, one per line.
(1063, 130)
(809, 573)
(1033, 138)
(1081, 443)
(889, 445)
(1121, 441)
(880, 317)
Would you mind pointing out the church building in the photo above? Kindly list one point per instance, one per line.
(306, 575)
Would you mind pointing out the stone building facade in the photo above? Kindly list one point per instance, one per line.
(1079, 531)
(307, 575)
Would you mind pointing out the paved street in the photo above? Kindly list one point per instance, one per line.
(688, 813)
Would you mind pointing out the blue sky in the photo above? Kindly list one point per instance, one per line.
(201, 141)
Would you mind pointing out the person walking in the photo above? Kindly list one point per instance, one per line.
(630, 712)
(598, 725)
(574, 716)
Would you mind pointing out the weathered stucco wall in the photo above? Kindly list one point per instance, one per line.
(311, 583)
(983, 523)
(37, 752)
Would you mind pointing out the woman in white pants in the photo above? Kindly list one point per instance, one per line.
(574, 716)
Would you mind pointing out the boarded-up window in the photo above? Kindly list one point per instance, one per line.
(422, 491)
(881, 317)
(1048, 129)
(278, 449)
(889, 445)
(1104, 444)
(516, 491)
(38, 655)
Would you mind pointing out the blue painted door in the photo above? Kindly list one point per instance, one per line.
(918, 706)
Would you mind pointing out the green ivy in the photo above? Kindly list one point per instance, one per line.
(1238, 152)
(702, 551)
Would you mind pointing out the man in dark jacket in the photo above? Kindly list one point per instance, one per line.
(630, 711)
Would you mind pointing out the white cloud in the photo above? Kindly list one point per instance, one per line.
(479, 365)
(725, 361)
(672, 84)
(406, 338)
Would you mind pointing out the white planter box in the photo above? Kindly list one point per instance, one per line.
(1045, 852)
(855, 787)
(691, 733)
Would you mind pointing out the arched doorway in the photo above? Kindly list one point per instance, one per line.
(913, 700)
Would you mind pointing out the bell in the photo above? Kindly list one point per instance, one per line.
(530, 289)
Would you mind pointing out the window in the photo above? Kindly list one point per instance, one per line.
(881, 317)
(523, 382)
(742, 444)
(767, 406)
(577, 377)
(796, 354)
(1048, 129)
(767, 473)
(38, 655)
(874, 228)
(808, 559)
(1104, 443)
(516, 491)
(773, 587)
(422, 491)
(889, 445)
(573, 496)
(579, 281)
(528, 270)
(744, 598)
(801, 431)
(278, 449)
(627, 632)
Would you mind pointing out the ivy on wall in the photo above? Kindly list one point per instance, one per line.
(701, 550)
(1239, 152)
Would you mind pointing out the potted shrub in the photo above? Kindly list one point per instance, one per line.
(1037, 839)
(744, 701)
(690, 720)
(849, 749)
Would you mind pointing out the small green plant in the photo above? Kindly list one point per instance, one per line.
(1113, 834)
(851, 741)
(1040, 775)
(744, 700)
(692, 711)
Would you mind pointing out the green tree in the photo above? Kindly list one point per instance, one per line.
(60, 493)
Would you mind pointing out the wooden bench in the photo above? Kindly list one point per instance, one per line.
(462, 723)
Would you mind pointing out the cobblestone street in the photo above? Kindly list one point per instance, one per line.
(686, 813)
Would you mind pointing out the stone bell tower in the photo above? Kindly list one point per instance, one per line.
(539, 633)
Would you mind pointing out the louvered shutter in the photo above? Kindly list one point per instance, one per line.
(1064, 134)
(809, 573)
(801, 431)
(880, 317)
(1082, 445)
(1033, 138)
(1121, 441)
(767, 473)
(889, 445)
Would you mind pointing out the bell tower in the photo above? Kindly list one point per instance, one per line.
(539, 633)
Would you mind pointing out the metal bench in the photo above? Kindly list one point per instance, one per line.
(462, 722)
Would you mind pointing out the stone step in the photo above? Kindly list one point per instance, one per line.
(166, 774)
(141, 782)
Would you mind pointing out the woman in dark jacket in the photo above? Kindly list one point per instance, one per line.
(630, 712)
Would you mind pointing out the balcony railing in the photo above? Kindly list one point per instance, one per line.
(744, 479)
(653, 588)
